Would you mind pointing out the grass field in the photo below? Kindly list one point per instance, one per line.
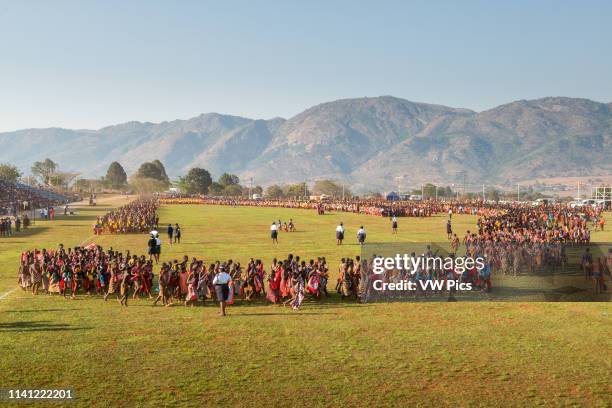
(328, 354)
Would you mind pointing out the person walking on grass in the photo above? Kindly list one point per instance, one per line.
(361, 235)
(158, 244)
(114, 282)
(177, 234)
(170, 233)
(126, 282)
(339, 234)
(151, 244)
(164, 276)
(274, 232)
(221, 284)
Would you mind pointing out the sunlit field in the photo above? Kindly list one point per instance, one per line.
(330, 353)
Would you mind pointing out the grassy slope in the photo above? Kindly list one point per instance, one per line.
(327, 354)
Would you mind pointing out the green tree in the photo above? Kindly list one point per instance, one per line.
(274, 191)
(215, 189)
(429, 191)
(162, 171)
(296, 190)
(61, 179)
(197, 181)
(9, 172)
(227, 179)
(331, 188)
(491, 193)
(147, 185)
(233, 190)
(150, 171)
(373, 194)
(257, 190)
(44, 170)
(116, 175)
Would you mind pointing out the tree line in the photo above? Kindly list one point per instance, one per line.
(152, 177)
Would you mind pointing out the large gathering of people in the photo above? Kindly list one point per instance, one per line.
(381, 207)
(377, 207)
(91, 270)
(136, 217)
(13, 225)
(19, 201)
(514, 238)
(15, 197)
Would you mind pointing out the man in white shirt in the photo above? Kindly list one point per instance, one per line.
(221, 283)
(157, 248)
(274, 232)
(339, 234)
(361, 235)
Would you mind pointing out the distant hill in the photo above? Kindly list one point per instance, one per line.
(365, 141)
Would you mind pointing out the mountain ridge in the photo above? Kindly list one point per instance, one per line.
(364, 141)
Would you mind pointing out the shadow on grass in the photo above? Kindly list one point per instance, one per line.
(332, 302)
(40, 310)
(33, 230)
(37, 326)
(296, 313)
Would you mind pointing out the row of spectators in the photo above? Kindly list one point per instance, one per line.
(11, 225)
(15, 197)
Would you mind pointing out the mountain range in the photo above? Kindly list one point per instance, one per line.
(366, 142)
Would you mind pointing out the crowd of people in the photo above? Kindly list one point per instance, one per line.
(138, 216)
(381, 207)
(514, 238)
(91, 270)
(15, 197)
(378, 207)
(540, 224)
(11, 225)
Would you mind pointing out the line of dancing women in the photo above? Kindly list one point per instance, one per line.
(92, 271)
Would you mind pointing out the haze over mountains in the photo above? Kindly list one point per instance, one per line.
(365, 141)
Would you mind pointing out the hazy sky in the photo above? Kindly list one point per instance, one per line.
(86, 64)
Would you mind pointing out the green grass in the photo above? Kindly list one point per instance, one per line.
(327, 354)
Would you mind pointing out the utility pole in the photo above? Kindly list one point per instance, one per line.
(305, 190)
(342, 191)
(518, 192)
(399, 185)
(483, 193)
(436, 193)
(422, 192)
(251, 188)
